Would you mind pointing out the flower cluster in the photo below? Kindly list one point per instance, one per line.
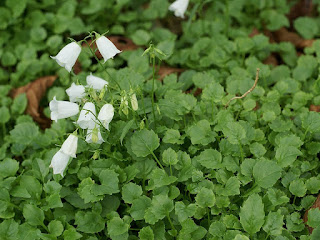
(79, 96)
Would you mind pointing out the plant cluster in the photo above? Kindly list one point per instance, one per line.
(149, 159)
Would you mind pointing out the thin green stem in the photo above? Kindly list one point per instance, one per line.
(212, 109)
(45, 227)
(4, 131)
(267, 236)
(171, 224)
(241, 151)
(144, 109)
(170, 170)
(157, 160)
(153, 82)
(208, 212)
(103, 67)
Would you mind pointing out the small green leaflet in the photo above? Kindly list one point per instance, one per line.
(144, 142)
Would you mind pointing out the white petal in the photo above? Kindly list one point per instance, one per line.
(179, 7)
(62, 109)
(95, 82)
(68, 55)
(106, 48)
(106, 115)
(86, 118)
(59, 162)
(76, 92)
(70, 145)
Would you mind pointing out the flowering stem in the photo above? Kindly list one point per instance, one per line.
(105, 70)
(152, 97)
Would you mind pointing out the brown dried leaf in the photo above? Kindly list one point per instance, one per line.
(165, 70)
(34, 92)
(314, 108)
(284, 35)
(305, 217)
(301, 8)
(271, 60)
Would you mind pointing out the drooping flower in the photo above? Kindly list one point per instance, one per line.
(95, 82)
(59, 162)
(62, 109)
(70, 145)
(94, 136)
(87, 118)
(76, 92)
(106, 115)
(68, 55)
(106, 48)
(134, 102)
(179, 7)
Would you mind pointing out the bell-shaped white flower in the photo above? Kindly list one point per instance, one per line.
(106, 115)
(87, 117)
(95, 82)
(68, 55)
(134, 102)
(76, 92)
(179, 7)
(59, 162)
(70, 145)
(106, 48)
(94, 136)
(62, 109)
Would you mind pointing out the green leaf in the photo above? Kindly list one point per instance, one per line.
(24, 133)
(298, 188)
(169, 157)
(126, 129)
(130, 192)
(116, 227)
(232, 187)
(274, 224)
(55, 228)
(241, 237)
(313, 185)
(89, 222)
(4, 115)
(183, 211)
(33, 215)
(172, 136)
(139, 206)
(8, 167)
(160, 207)
(71, 234)
(314, 217)
(87, 192)
(257, 149)
(266, 173)
(17, 6)
(146, 233)
(307, 27)
(109, 181)
(252, 214)
(205, 198)
(286, 155)
(213, 92)
(201, 133)
(160, 178)
(234, 132)
(217, 229)
(9, 230)
(141, 37)
(144, 142)
(311, 122)
(274, 19)
(210, 158)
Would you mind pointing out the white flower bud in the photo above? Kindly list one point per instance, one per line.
(106, 48)
(76, 92)
(70, 145)
(95, 82)
(134, 102)
(106, 115)
(179, 7)
(87, 118)
(68, 55)
(59, 162)
(62, 109)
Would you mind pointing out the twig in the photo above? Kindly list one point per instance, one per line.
(249, 91)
